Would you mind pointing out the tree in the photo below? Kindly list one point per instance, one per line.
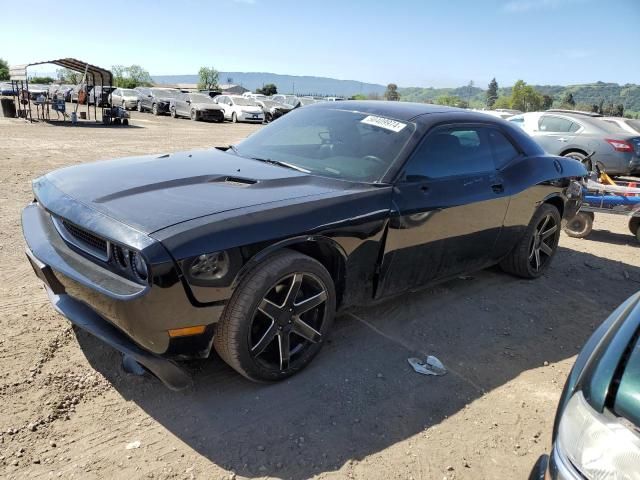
(392, 93)
(469, 91)
(525, 98)
(373, 96)
(358, 96)
(268, 90)
(4, 69)
(568, 100)
(502, 102)
(492, 93)
(37, 79)
(547, 102)
(208, 78)
(68, 76)
(449, 100)
(130, 77)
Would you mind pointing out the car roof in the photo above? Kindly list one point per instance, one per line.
(399, 110)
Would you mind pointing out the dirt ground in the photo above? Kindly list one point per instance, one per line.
(67, 409)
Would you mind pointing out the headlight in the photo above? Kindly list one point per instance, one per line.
(209, 266)
(597, 445)
(574, 190)
(139, 266)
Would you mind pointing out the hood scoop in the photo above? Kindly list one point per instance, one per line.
(239, 181)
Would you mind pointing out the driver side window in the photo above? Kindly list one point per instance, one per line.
(451, 151)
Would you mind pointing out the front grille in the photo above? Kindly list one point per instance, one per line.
(83, 239)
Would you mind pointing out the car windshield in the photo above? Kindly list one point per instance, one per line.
(331, 142)
(158, 92)
(128, 91)
(199, 98)
(244, 102)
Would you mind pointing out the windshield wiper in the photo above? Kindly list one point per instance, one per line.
(281, 164)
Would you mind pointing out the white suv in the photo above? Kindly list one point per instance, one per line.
(240, 109)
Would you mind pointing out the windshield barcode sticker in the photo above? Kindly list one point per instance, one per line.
(382, 122)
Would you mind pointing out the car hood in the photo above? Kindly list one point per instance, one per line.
(206, 106)
(154, 192)
(250, 109)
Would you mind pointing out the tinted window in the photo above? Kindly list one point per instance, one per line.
(452, 151)
(503, 149)
(574, 127)
(554, 124)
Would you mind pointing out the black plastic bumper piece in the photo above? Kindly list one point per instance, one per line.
(84, 317)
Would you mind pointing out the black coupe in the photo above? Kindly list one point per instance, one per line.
(251, 249)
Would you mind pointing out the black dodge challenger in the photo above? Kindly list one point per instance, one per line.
(251, 249)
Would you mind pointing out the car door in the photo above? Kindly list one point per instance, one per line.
(222, 101)
(555, 133)
(448, 209)
(181, 104)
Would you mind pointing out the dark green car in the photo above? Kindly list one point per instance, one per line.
(596, 434)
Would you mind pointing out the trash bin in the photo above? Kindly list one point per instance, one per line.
(8, 107)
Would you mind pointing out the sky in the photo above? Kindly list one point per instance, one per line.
(424, 43)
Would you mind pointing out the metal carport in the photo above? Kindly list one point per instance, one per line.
(18, 77)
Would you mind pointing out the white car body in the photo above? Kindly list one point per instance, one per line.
(242, 109)
(527, 121)
(124, 97)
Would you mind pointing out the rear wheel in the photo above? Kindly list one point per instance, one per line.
(278, 318)
(579, 226)
(533, 254)
(581, 158)
(124, 105)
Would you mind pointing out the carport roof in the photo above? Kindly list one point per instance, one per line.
(19, 72)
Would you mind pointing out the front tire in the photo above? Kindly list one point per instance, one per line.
(140, 107)
(154, 109)
(634, 227)
(533, 254)
(278, 318)
(193, 115)
(234, 117)
(173, 113)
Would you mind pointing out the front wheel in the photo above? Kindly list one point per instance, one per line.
(139, 106)
(174, 113)
(234, 117)
(193, 115)
(634, 227)
(278, 318)
(154, 109)
(534, 252)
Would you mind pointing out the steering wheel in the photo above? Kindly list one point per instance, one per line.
(375, 159)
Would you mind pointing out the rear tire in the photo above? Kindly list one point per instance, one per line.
(582, 159)
(535, 251)
(580, 226)
(260, 322)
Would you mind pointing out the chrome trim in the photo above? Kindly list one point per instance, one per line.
(69, 238)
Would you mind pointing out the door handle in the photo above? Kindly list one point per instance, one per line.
(424, 188)
(497, 188)
(562, 139)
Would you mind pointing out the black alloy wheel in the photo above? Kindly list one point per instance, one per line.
(543, 242)
(532, 255)
(278, 318)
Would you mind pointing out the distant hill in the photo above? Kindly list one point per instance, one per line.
(585, 94)
(285, 83)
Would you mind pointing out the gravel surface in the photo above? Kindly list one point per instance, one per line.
(67, 409)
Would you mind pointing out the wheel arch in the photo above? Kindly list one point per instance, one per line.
(573, 150)
(323, 249)
(557, 201)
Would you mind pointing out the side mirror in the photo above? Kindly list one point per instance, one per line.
(188, 101)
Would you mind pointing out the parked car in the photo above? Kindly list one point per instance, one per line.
(255, 96)
(126, 98)
(211, 93)
(61, 91)
(286, 99)
(251, 249)
(596, 434)
(156, 100)
(334, 99)
(577, 134)
(196, 106)
(240, 109)
(627, 124)
(6, 89)
(99, 95)
(307, 101)
(272, 110)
